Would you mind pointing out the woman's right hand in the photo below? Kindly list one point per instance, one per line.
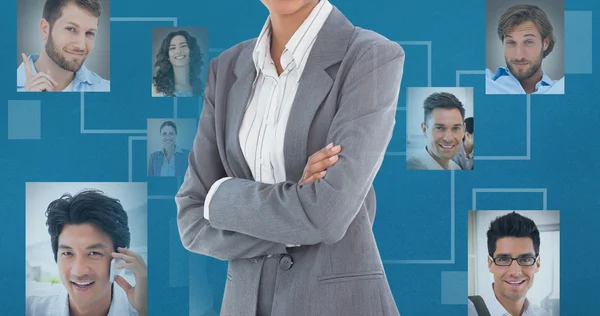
(317, 164)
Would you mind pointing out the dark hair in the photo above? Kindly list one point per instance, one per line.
(512, 225)
(53, 8)
(522, 13)
(168, 123)
(443, 100)
(165, 80)
(469, 125)
(92, 207)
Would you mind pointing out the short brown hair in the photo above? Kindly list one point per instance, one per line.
(442, 100)
(522, 13)
(53, 8)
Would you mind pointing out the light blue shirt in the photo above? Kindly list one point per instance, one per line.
(168, 168)
(504, 82)
(181, 94)
(84, 80)
(158, 165)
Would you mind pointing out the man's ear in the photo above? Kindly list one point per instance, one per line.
(537, 264)
(546, 42)
(424, 129)
(44, 29)
(490, 263)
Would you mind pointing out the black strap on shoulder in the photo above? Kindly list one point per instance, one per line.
(479, 305)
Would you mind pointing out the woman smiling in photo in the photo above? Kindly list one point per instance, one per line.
(179, 62)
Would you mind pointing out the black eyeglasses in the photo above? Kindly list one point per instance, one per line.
(505, 261)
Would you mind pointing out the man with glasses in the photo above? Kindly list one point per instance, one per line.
(513, 246)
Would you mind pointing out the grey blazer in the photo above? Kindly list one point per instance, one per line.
(461, 159)
(348, 95)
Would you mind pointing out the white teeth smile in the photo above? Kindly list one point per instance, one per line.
(180, 57)
(83, 284)
(447, 147)
(517, 282)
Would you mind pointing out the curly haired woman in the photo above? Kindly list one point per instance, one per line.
(179, 62)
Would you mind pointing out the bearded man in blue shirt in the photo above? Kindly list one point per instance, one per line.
(68, 29)
(527, 37)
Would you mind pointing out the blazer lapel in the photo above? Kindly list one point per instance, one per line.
(237, 101)
(314, 85)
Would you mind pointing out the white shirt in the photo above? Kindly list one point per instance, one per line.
(263, 127)
(54, 301)
(496, 309)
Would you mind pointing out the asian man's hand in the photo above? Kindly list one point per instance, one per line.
(138, 294)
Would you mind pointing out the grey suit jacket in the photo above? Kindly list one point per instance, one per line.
(461, 159)
(348, 95)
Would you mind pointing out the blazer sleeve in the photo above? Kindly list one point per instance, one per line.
(461, 160)
(322, 211)
(205, 168)
(151, 164)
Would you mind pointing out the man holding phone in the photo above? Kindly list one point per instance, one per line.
(88, 232)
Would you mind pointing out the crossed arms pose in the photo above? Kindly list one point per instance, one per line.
(343, 109)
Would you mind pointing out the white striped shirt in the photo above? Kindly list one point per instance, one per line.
(263, 127)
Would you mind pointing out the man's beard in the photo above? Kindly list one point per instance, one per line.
(533, 68)
(55, 54)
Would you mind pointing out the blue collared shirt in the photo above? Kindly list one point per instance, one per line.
(168, 167)
(158, 165)
(84, 80)
(504, 82)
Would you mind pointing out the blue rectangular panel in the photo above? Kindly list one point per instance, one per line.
(454, 287)
(24, 119)
(509, 200)
(578, 42)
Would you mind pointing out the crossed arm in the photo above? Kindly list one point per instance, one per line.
(249, 218)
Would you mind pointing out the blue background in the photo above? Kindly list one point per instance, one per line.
(547, 143)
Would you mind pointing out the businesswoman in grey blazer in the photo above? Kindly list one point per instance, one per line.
(293, 130)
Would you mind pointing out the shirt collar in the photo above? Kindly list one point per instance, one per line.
(261, 49)
(504, 71)
(296, 49)
(177, 150)
(82, 75)
(432, 164)
(119, 305)
(496, 308)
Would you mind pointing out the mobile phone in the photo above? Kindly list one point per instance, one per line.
(114, 271)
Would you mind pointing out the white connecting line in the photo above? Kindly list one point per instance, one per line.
(83, 130)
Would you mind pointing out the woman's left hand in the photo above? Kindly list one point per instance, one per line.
(318, 163)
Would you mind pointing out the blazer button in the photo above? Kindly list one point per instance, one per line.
(286, 262)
